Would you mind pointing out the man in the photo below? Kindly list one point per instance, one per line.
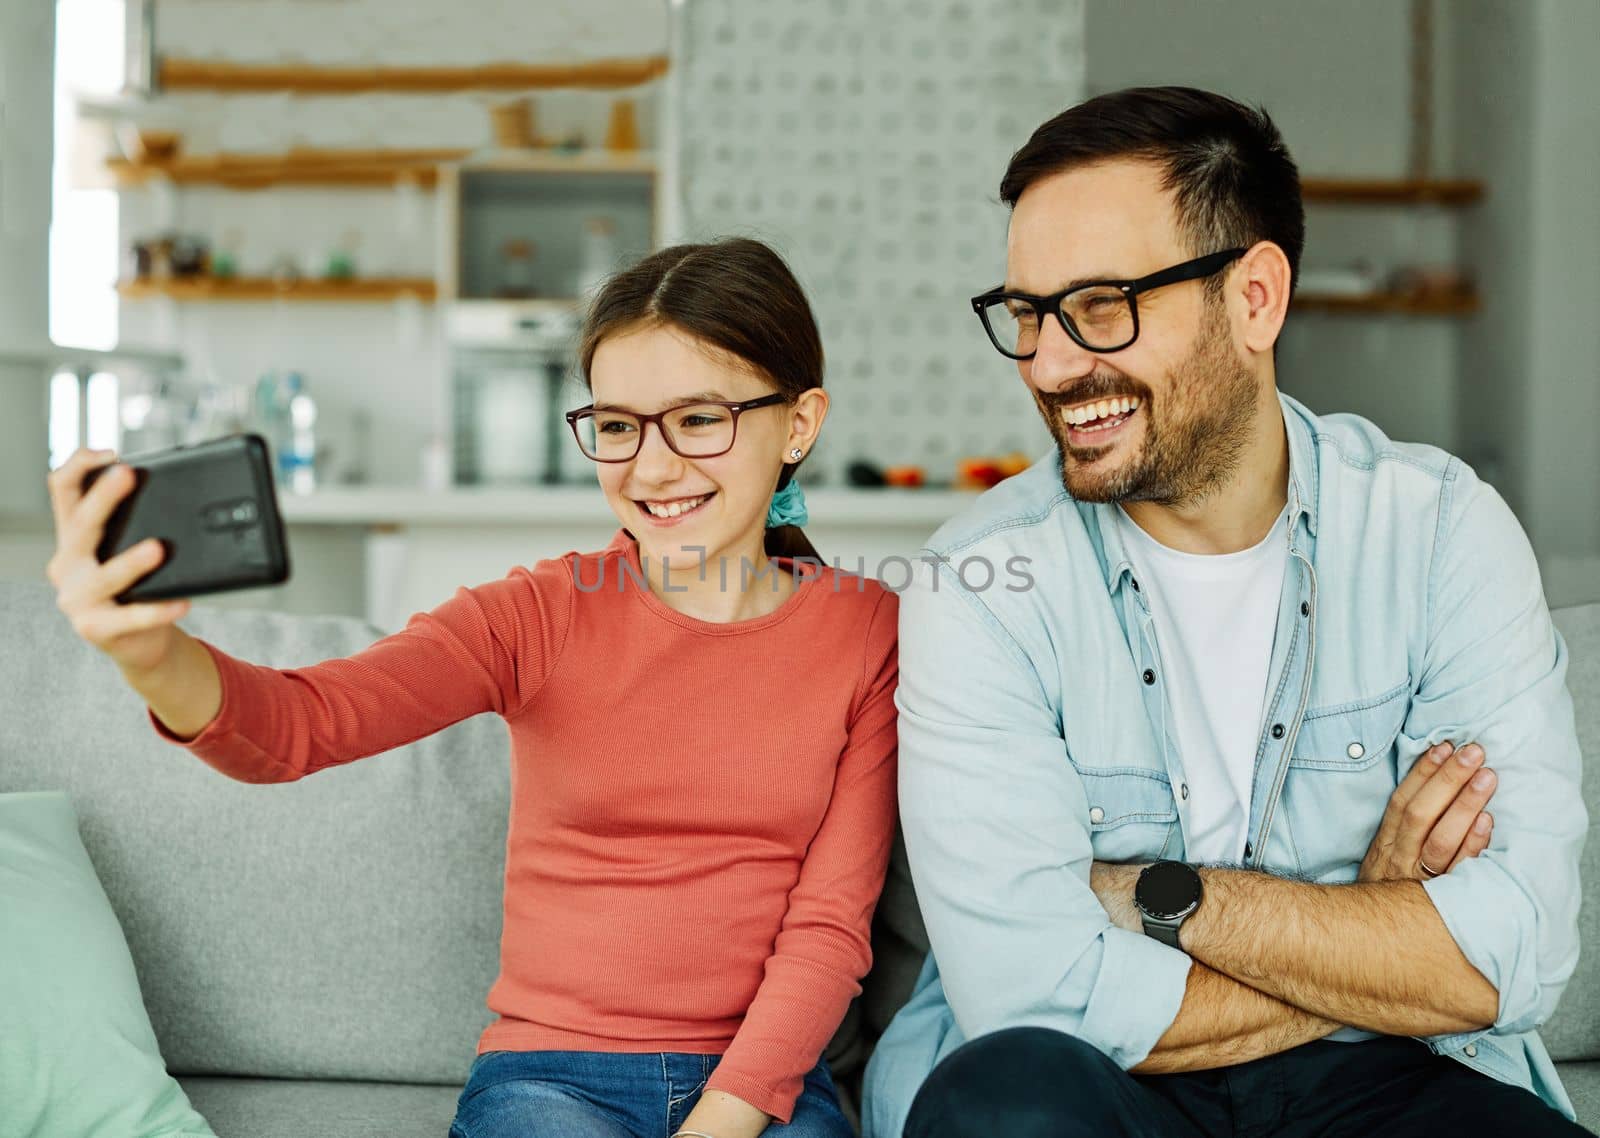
(1194, 849)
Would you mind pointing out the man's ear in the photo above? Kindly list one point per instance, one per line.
(1261, 286)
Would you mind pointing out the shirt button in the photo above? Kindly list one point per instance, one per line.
(1355, 750)
(1470, 1051)
(1248, 851)
(1305, 609)
(1149, 676)
(1134, 581)
(1183, 792)
(1096, 815)
(1277, 731)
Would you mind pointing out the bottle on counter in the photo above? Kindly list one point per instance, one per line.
(298, 463)
(286, 416)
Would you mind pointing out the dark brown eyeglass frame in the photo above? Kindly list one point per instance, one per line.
(1198, 268)
(736, 408)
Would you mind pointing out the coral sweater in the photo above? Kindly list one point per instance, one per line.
(701, 813)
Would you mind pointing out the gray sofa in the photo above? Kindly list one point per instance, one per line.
(315, 956)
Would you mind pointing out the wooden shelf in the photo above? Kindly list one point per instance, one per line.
(263, 288)
(1383, 191)
(1426, 304)
(301, 168)
(365, 167)
(541, 161)
(220, 75)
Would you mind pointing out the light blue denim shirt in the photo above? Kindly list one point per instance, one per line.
(1036, 737)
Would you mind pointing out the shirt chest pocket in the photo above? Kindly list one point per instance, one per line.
(1131, 813)
(1351, 736)
(1340, 778)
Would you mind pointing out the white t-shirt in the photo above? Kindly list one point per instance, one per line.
(1214, 617)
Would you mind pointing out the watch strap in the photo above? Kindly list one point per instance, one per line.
(1164, 931)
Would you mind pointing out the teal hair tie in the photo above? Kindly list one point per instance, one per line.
(788, 507)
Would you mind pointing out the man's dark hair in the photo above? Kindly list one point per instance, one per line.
(1226, 164)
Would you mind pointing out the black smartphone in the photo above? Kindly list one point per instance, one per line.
(213, 506)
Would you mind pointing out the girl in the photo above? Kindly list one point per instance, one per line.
(702, 722)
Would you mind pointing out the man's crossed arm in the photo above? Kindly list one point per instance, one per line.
(1279, 962)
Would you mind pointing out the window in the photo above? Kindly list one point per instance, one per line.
(84, 232)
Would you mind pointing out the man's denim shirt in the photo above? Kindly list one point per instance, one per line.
(1036, 737)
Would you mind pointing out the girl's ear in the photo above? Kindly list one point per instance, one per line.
(805, 420)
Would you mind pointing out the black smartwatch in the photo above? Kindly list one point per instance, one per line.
(1167, 893)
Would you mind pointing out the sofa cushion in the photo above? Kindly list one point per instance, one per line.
(293, 1108)
(345, 926)
(1582, 1081)
(1574, 1031)
(77, 1055)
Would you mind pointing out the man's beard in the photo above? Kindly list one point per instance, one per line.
(1190, 451)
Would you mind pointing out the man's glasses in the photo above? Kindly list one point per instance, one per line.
(1102, 316)
(692, 430)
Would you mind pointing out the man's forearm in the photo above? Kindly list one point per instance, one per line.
(1222, 1022)
(1375, 955)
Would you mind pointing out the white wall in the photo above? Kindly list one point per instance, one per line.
(1494, 59)
(1528, 105)
(27, 38)
(1562, 454)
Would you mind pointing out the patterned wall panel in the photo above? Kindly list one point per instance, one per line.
(865, 140)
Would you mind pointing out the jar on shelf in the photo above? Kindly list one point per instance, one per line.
(514, 124)
(622, 132)
(516, 269)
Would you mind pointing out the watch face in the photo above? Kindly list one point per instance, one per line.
(1168, 889)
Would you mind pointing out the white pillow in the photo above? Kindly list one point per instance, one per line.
(77, 1055)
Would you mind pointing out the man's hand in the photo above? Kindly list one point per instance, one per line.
(1435, 818)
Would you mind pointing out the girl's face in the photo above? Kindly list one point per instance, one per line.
(687, 508)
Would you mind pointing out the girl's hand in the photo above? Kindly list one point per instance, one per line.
(138, 637)
(725, 1116)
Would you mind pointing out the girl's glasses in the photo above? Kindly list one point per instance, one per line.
(692, 430)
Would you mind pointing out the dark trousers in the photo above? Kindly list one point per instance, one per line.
(1030, 1082)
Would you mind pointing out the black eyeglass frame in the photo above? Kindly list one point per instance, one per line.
(737, 409)
(1196, 269)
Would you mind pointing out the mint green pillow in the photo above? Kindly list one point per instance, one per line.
(77, 1055)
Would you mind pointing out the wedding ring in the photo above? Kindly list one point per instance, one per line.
(1425, 869)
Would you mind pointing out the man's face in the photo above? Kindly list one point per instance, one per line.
(1193, 398)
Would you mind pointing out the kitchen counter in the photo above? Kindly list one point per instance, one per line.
(417, 546)
(406, 507)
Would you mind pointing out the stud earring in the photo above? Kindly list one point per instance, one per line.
(796, 454)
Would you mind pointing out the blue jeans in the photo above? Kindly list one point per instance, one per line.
(604, 1094)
